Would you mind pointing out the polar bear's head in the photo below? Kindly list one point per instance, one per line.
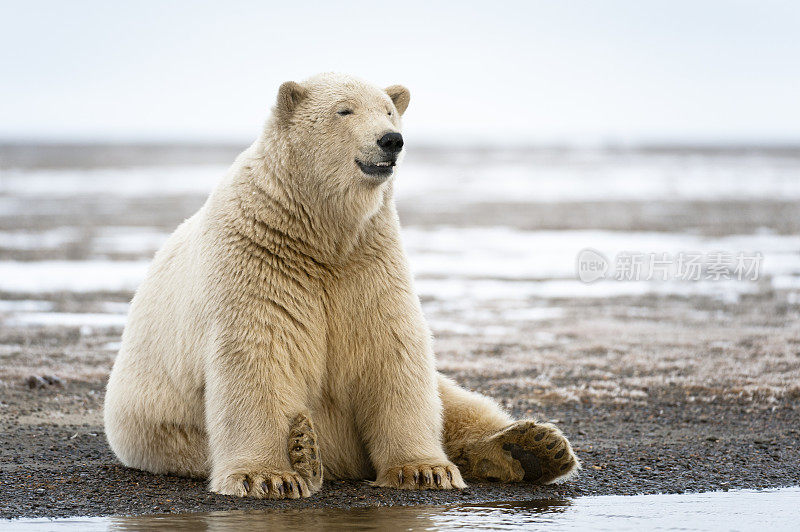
(342, 133)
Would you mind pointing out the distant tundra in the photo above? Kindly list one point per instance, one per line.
(278, 335)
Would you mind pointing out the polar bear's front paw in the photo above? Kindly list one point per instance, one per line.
(263, 485)
(523, 451)
(422, 476)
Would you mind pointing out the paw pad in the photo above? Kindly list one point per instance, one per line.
(304, 452)
(524, 451)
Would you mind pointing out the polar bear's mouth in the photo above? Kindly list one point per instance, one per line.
(379, 169)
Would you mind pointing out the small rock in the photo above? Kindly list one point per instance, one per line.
(52, 380)
(712, 438)
(36, 382)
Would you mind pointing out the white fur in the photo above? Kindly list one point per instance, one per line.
(289, 292)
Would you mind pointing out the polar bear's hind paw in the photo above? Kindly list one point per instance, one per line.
(524, 451)
(304, 452)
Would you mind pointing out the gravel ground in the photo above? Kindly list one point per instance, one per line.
(658, 393)
(665, 446)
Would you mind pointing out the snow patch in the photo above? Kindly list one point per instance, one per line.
(71, 276)
(66, 319)
(32, 240)
(25, 305)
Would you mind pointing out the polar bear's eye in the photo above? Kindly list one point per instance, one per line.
(389, 113)
(345, 112)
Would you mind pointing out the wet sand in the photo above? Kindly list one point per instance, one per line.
(658, 393)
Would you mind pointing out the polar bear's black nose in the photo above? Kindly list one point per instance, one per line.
(391, 142)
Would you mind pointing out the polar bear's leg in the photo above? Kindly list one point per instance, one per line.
(487, 444)
(251, 400)
(148, 425)
(162, 448)
(400, 419)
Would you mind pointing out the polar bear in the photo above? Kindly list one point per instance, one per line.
(277, 333)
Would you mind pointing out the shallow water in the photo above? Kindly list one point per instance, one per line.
(772, 510)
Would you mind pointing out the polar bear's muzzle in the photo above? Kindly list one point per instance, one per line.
(390, 144)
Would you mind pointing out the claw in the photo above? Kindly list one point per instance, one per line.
(246, 485)
(265, 487)
(280, 489)
(400, 477)
(437, 478)
(416, 477)
(449, 475)
(289, 485)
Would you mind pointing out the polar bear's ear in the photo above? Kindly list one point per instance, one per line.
(289, 97)
(400, 96)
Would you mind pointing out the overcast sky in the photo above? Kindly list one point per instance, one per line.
(532, 71)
